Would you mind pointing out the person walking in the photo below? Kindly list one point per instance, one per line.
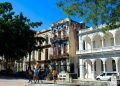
(40, 75)
(30, 75)
(54, 74)
(35, 76)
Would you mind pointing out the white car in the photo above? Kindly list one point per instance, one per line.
(106, 76)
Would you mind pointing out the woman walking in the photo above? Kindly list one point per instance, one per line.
(54, 74)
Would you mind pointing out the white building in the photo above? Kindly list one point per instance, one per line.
(98, 52)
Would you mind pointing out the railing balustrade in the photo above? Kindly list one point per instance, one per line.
(103, 49)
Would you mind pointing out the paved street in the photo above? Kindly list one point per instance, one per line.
(22, 82)
(13, 82)
(47, 85)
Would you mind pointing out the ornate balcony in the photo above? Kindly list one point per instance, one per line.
(65, 55)
(59, 56)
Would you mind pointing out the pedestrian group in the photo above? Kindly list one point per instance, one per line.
(41, 74)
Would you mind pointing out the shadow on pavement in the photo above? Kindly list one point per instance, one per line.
(10, 75)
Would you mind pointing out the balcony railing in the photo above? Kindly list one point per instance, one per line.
(59, 56)
(95, 50)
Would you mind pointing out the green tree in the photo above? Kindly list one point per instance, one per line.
(94, 12)
(17, 39)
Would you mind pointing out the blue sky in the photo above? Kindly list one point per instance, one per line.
(45, 11)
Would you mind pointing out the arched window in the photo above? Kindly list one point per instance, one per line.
(64, 32)
(46, 54)
(113, 65)
(65, 49)
(47, 39)
(83, 45)
(39, 55)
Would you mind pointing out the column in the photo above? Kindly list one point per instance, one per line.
(91, 44)
(114, 40)
(93, 70)
(23, 66)
(102, 43)
(68, 66)
(20, 66)
(116, 62)
(56, 65)
(80, 43)
(104, 66)
(81, 68)
(17, 66)
(62, 69)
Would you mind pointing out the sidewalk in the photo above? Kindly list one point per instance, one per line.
(51, 83)
(24, 82)
(13, 82)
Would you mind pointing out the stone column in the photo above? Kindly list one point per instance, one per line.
(116, 62)
(81, 69)
(93, 70)
(62, 68)
(114, 40)
(104, 66)
(91, 44)
(56, 64)
(17, 66)
(68, 66)
(102, 42)
(20, 66)
(23, 66)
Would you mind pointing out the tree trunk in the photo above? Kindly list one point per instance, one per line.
(6, 63)
(29, 66)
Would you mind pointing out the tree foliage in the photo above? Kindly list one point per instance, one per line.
(95, 12)
(17, 39)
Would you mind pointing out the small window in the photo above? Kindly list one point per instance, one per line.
(103, 74)
(109, 74)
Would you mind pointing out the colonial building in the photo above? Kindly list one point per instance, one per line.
(59, 48)
(38, 57)
(43, 55)
(64, 42)
(98, 52)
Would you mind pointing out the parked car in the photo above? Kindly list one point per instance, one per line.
(107, 76)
